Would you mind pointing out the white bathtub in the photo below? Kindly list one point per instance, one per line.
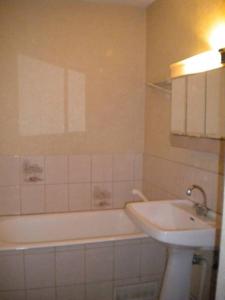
(38, 231)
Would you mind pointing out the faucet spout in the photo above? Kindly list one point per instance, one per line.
(201, 209)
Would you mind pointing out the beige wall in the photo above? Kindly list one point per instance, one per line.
(176, 30)
(54, 53)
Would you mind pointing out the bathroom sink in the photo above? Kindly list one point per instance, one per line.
(175, 222)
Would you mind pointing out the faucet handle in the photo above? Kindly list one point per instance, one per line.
(201, 210)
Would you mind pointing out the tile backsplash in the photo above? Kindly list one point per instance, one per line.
(167, 179)
(49, 184)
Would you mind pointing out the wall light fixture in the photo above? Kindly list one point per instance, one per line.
(222, 52)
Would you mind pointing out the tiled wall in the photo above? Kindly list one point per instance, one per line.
(82, 272)
(38, 184)
(167, 179)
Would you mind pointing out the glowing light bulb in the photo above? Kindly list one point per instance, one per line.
(205, 61)
(202, 62)
(217, 37)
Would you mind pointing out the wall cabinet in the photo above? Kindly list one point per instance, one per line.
(198, 104)
(215, 103)
(178, 124)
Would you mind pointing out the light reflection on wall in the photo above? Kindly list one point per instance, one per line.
(76, 101)
(51, 99)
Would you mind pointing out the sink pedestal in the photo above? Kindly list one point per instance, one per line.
(175, 223)
(177, 278)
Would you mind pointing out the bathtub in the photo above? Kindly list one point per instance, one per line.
(51, 230)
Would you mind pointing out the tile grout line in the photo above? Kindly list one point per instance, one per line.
(20, 186)
(113, 191)
(91, 181)
(67, 182)
(55, 279)
(85, 272)
(25, 279)
(44, 183)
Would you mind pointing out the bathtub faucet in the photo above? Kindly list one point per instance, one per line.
(201, 209)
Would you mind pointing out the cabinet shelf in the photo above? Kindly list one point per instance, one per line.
(163, 86)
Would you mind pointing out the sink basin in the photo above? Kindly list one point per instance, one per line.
(175, 222)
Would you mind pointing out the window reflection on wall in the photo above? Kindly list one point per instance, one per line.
(76, 101)
(51, 99)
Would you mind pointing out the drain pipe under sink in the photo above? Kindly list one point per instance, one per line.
(203, 262)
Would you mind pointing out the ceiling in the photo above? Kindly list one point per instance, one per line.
(140, 3)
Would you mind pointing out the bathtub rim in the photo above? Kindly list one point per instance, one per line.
(7, 246)
(27, 246)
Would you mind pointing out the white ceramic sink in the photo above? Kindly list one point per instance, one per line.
(175, 222)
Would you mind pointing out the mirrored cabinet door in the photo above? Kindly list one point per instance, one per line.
(215, 103)
(178, 114)
(196, 104)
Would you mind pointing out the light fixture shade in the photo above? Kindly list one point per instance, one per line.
(222, 52)
(202, 62)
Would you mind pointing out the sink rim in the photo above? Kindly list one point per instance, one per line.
(204, 237)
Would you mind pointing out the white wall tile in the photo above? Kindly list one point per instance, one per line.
(33, 162)
(101, 168)
(40, 270)
(9, 200)
(11, 272)
(155, 193)
(33, 199)
(127, 261)
(138, 185)
(153, 258)
(79, 168)
(123, 167)
(13, 295)
(138, 167)
(70, 247)
(8, 252)
(80, 196)
(41, 294)
(181, 177)
(73, 292)
(9, 170)
(99, 264)
(92, 245)
(39, 250)
(135, 241)
(69, 267)
(56, 198)
(127, 281)
(122, 193)
(100, 291)
(56, 169)
(102, 195)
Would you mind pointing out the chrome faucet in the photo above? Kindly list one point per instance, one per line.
(201, 209)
